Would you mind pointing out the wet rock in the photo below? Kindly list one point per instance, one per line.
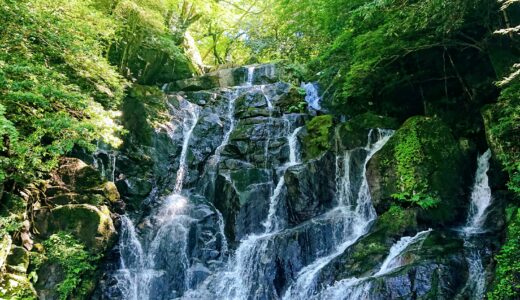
(310, 190)
(354, 132)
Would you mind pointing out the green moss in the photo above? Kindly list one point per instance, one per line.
(318, 139)
(16, 287)
(409, 155)
(76, 262)
(144, 108)
(506, 284)
(423, 150)
(397, 219)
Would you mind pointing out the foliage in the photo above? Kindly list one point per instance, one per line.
(422, 154)
(397, 219)
(319, 131)
(11, 209)
(55, 85)
(64, 250)
(507, 275)
(409, 156)
(504, 132)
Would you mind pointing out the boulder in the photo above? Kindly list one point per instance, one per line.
(77, 175)
(18, 260)
(88, 223)
(421, 165)
(14, 286)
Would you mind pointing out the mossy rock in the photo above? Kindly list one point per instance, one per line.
(89, 224)
(317, 138)
(18, 260)
(16, 287)
(354, 132)
(291, 100)
(5, 246)
(491, 115)
(421, 166)
(77, 175)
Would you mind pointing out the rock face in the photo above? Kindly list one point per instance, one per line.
(233, 195)
(79, 202)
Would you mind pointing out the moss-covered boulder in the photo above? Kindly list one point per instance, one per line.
(318, 135)
(90, 224)
(14, 286)
(18, 260)
(76, 175)
(354, 132)
(420, 166)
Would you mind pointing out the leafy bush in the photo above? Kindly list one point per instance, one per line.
(77, 263)
(56, 88)
(507, 275)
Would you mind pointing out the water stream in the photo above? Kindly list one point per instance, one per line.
(481, 200)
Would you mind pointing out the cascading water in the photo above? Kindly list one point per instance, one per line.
(354, 215)
(360, 288)
(271, 224)
(481, 199)
(188, 124)
(480, 196)
(312, 96)
(250, 76)
(237, 281)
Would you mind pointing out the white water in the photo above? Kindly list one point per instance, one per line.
(481, 199)
(353, 214)
(109, 172)
(250, 75)
(138, 267)
(312, 96)
(238, 280)
(271, 224)
(360, 288)
(188, 124)
(480, 196)
(394, 259)
(232, 97)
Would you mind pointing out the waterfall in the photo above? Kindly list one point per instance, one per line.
(360, 288)
(312, 96)
(232, 97)
(481, 199)
(353, 214)
(271, 224)
(244, 270)
(188, 124)
(393, 260)
(250, 75)
(480, 196)
(109, 172)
